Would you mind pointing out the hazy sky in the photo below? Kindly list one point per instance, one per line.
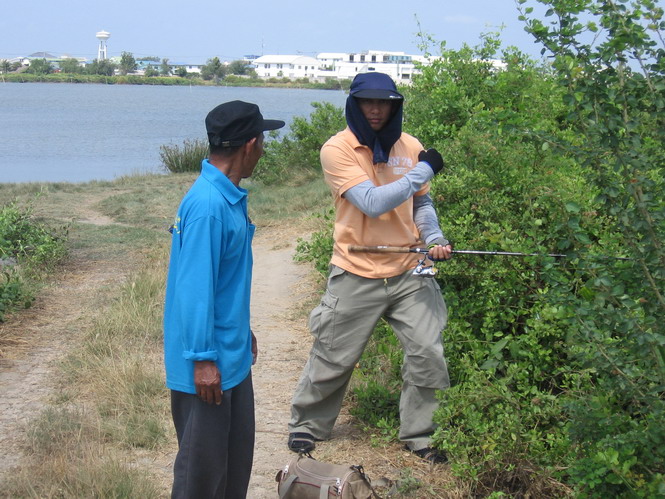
(194, 31)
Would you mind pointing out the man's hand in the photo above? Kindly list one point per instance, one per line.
(432, 158)
(438, 252)
(255, 349)
(208, 382)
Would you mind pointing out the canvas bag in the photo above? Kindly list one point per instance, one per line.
(306, 478)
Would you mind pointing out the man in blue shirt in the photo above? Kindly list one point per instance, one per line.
(209, 347)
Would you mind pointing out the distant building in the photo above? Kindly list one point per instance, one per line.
(286, 66)
(191, 68)
(42, 55)
(400, 66)
(339, 65)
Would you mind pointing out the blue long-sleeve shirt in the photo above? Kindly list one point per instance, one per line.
(206, 312)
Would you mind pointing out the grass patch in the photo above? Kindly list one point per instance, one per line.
(278, 203)
(185, 158)
(112, 401)
(111, 406)
(119, 362)
(68, 458)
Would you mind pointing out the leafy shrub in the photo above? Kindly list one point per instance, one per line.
(616, 101)
(374, 403)
(295, 158)
(557, 364)
(319, 248)
(27, 248)
(12, 292)
(185, 158)
(25, 239)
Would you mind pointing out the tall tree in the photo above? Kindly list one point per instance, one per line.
(238, 67)
(213, 69)
(40, 67)
(127, 63)
(71, 66)
(5, 66)
(165, 68)
(104, 67)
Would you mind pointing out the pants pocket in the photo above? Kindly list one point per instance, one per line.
(322, 321)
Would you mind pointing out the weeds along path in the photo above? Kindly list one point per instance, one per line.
(41, 336)
(34, 340)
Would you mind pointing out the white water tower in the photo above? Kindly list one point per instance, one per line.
(102, 36)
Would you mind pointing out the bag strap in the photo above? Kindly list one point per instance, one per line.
(361, 472)
(323, 493)
(287, 485)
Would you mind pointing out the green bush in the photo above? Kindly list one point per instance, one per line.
(295, 158)
(12, 292)
(557, 365)
(375, 403)
(318, 249)
(28, 248)
(615, 98)
(185, 158)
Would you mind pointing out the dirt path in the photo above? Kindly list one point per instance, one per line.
(280, 287)
(59, 315)
(43, 333)
(46, 330)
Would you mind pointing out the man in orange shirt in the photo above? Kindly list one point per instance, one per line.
(379, 177)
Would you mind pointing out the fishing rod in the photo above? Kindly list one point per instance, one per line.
(398, 249)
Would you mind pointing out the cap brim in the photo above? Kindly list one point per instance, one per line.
(272, 124)
(378, 94)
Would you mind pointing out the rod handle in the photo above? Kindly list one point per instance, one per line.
(380, 249)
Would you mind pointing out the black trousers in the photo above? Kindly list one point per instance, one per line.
(215, 444)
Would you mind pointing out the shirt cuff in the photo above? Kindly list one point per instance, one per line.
(200, 356)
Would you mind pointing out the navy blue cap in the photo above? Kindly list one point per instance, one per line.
(234, 123)
(374, 86)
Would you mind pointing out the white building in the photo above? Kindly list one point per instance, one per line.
(339, 65)
(400, 66)
(286, 66)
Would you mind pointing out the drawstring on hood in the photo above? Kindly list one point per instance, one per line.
(375, 86)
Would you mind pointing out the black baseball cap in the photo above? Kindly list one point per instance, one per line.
(234, 123)
(374, 86)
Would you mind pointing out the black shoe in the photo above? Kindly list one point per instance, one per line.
(301, 442)
(434, 456)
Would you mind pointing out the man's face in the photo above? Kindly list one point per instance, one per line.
(376, 111)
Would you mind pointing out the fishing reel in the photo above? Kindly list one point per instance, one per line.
(423, 269)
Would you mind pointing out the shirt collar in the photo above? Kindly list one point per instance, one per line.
(221, 182)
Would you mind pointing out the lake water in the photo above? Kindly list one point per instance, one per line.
(79, 132)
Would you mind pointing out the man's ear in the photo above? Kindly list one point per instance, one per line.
(250, 144)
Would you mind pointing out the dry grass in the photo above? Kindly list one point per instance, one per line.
(110, 403)
(68, 456)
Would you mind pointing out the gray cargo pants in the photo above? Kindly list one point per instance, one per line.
(343, 323)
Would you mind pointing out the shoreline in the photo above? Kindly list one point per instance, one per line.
(229, 81)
